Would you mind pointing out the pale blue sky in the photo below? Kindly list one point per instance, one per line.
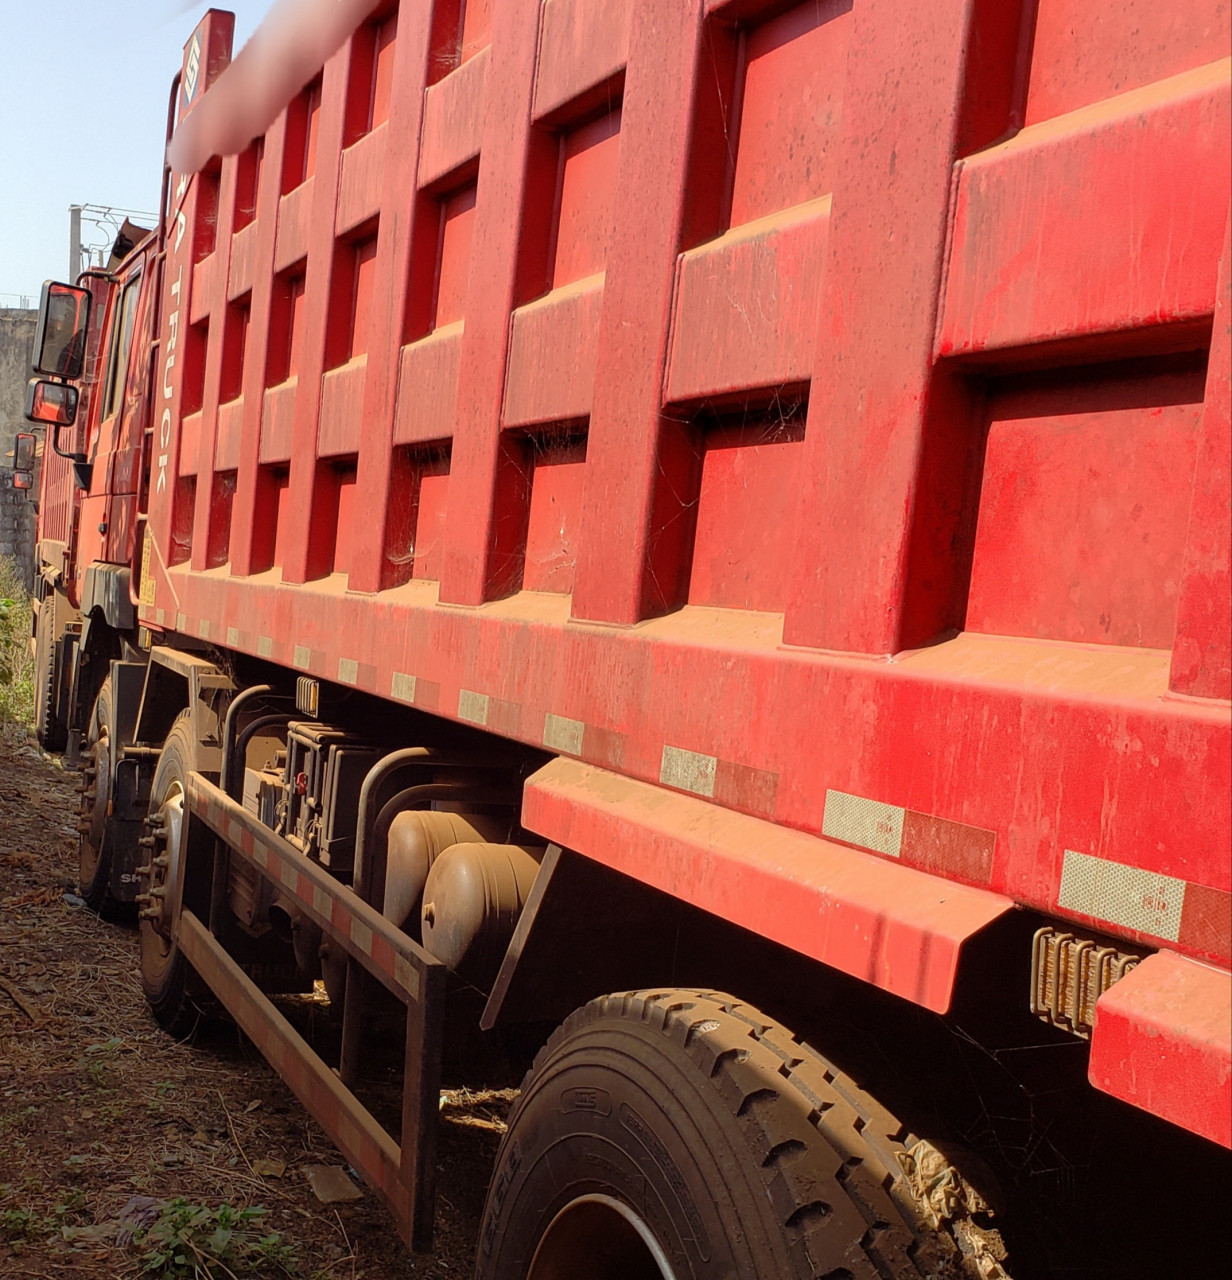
(83, 109)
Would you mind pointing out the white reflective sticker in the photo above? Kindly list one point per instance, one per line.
(322, 903)
(402, 687)
(348, 670)
(233, 637)
(361, 936)
(192, 68)
(866, 823)
(1144, 901)
(301, 657)
(204, 628)
(688, 771)
(473, 706)
(562, 734)
(406, 976)
(265, 647)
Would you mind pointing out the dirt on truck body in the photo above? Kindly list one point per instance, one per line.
(680, 552)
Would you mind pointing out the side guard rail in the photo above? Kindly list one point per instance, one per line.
(403, 1175)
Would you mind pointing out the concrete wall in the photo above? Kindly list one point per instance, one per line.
(16, 508)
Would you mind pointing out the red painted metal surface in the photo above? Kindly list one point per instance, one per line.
(894, 927)
(822, 409)
(1163, 1041)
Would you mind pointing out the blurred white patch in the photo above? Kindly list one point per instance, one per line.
(294, 42)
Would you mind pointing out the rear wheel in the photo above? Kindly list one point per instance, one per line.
(175, 996)
(681, 1135)
(48, 727)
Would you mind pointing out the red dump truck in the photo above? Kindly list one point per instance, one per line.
(704, 525)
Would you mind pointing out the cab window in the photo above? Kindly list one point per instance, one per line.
(121, 341)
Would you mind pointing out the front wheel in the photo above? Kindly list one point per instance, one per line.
(48, 727)
(681, 1135)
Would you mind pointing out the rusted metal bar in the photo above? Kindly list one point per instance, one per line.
(377, 950)
(381, 947)
(421, 1087)
(359, 1137)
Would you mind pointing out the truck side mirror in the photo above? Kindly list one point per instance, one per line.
(54, 404)
(25, 447)
(60, 336)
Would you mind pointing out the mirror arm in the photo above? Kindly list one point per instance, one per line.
(96, 273)
(55, 443)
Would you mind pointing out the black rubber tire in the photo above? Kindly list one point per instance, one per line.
(178, 999)
(94, 848)
(49, 729)
(745, 1154)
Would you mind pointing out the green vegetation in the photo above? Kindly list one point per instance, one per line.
(16, 661)
(194, 1242)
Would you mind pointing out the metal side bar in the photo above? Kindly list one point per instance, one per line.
(404, 1176)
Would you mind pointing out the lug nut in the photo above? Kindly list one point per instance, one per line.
(142, 899)
(146, 842)
(149, 913)
(144, 871)
(163, 860)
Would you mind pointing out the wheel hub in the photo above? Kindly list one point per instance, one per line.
(162, 841)
(599, 1236)
(95, 791)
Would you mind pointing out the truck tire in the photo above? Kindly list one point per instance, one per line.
(678, 1134)
(49, 729)
(94, 844)
(177, 998)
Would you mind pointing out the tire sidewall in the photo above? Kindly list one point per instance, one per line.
(94, 872)
(47, 727)
(164, 971)
(612, 1113)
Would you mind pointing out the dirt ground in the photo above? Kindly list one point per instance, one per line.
(106, 1123)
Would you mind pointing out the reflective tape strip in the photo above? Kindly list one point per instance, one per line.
(181, 621)
(867, 823)
(688, 771)
(287, 871)
(1143, 901)
(406, 976)
(233, 637)
(562, 734)
(203, 627)
(402, 687)
(265, 647)
(473, 706)
(301, 657)
(348, 670)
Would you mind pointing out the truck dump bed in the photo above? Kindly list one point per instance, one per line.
(822, 410)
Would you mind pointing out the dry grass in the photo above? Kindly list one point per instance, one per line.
(16, 660)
